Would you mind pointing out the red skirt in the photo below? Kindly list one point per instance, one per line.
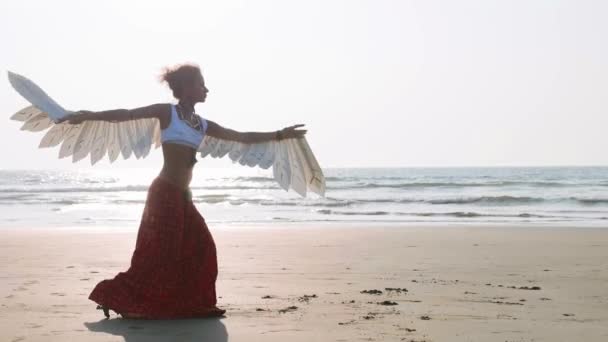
(174, 266)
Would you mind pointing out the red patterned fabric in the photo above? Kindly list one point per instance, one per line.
(174, 266)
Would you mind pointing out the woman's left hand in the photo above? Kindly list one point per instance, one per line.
(292, 132)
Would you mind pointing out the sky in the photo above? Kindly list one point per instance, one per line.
(377, 83)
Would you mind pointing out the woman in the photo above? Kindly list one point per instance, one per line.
(174, 266)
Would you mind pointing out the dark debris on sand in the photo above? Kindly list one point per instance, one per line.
(387, 302)
(375, 292)
(425, 318)
(396, 289)
(288, 309)
(506, 303)
(529, 288)
(306, 298)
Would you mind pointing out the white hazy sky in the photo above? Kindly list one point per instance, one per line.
(377, 83)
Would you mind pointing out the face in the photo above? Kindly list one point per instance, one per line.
(198, 90)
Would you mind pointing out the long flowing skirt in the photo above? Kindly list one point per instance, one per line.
(174, 266)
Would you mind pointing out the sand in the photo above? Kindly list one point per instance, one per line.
(327, 283)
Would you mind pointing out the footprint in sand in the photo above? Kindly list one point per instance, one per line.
(58, 294)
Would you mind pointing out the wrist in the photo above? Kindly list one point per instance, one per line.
(86, 115)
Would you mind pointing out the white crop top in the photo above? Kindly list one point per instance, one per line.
(180, 132)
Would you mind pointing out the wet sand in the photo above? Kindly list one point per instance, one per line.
(327, 283)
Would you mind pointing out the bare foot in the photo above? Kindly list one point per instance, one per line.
(214, 312)
(106, 310)
(218, 311)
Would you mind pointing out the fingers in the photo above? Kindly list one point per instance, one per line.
(294, 126)
(291, 132)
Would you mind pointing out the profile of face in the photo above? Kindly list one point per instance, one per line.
(197, 91)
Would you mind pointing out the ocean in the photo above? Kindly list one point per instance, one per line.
(236, 196)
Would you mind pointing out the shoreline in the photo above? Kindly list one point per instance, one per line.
(527, 226)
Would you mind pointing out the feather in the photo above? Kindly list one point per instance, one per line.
(254, 154)
(25, 113)
(298, 181)
(223, 147)
(268, 157)
(99, 143)
(36, 96)
(67, 148)
(157, 134)
(136, 136)
(280, 169)
(36, 123)
(55, 135)
(113, 145)
(83, 143)
(237, 150)
(123, 138)
(316, 183)
(149, 125)
(206, 146)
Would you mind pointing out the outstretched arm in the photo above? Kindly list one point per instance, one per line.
(116, 115)
(217, 131)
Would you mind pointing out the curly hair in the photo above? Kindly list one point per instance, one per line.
(180, 75)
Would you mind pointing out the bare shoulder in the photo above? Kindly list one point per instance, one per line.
(164, 116)
(161, 111)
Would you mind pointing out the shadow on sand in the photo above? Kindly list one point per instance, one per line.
(140, 330)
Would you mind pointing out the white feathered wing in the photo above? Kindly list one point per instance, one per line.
(294, 164)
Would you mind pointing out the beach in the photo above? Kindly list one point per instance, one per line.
(338, 282)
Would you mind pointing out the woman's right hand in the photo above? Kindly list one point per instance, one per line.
(292, 132)
(75, 118)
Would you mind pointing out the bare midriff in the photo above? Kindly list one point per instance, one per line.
(179, 161)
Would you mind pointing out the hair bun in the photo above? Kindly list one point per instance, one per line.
(179, 75)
